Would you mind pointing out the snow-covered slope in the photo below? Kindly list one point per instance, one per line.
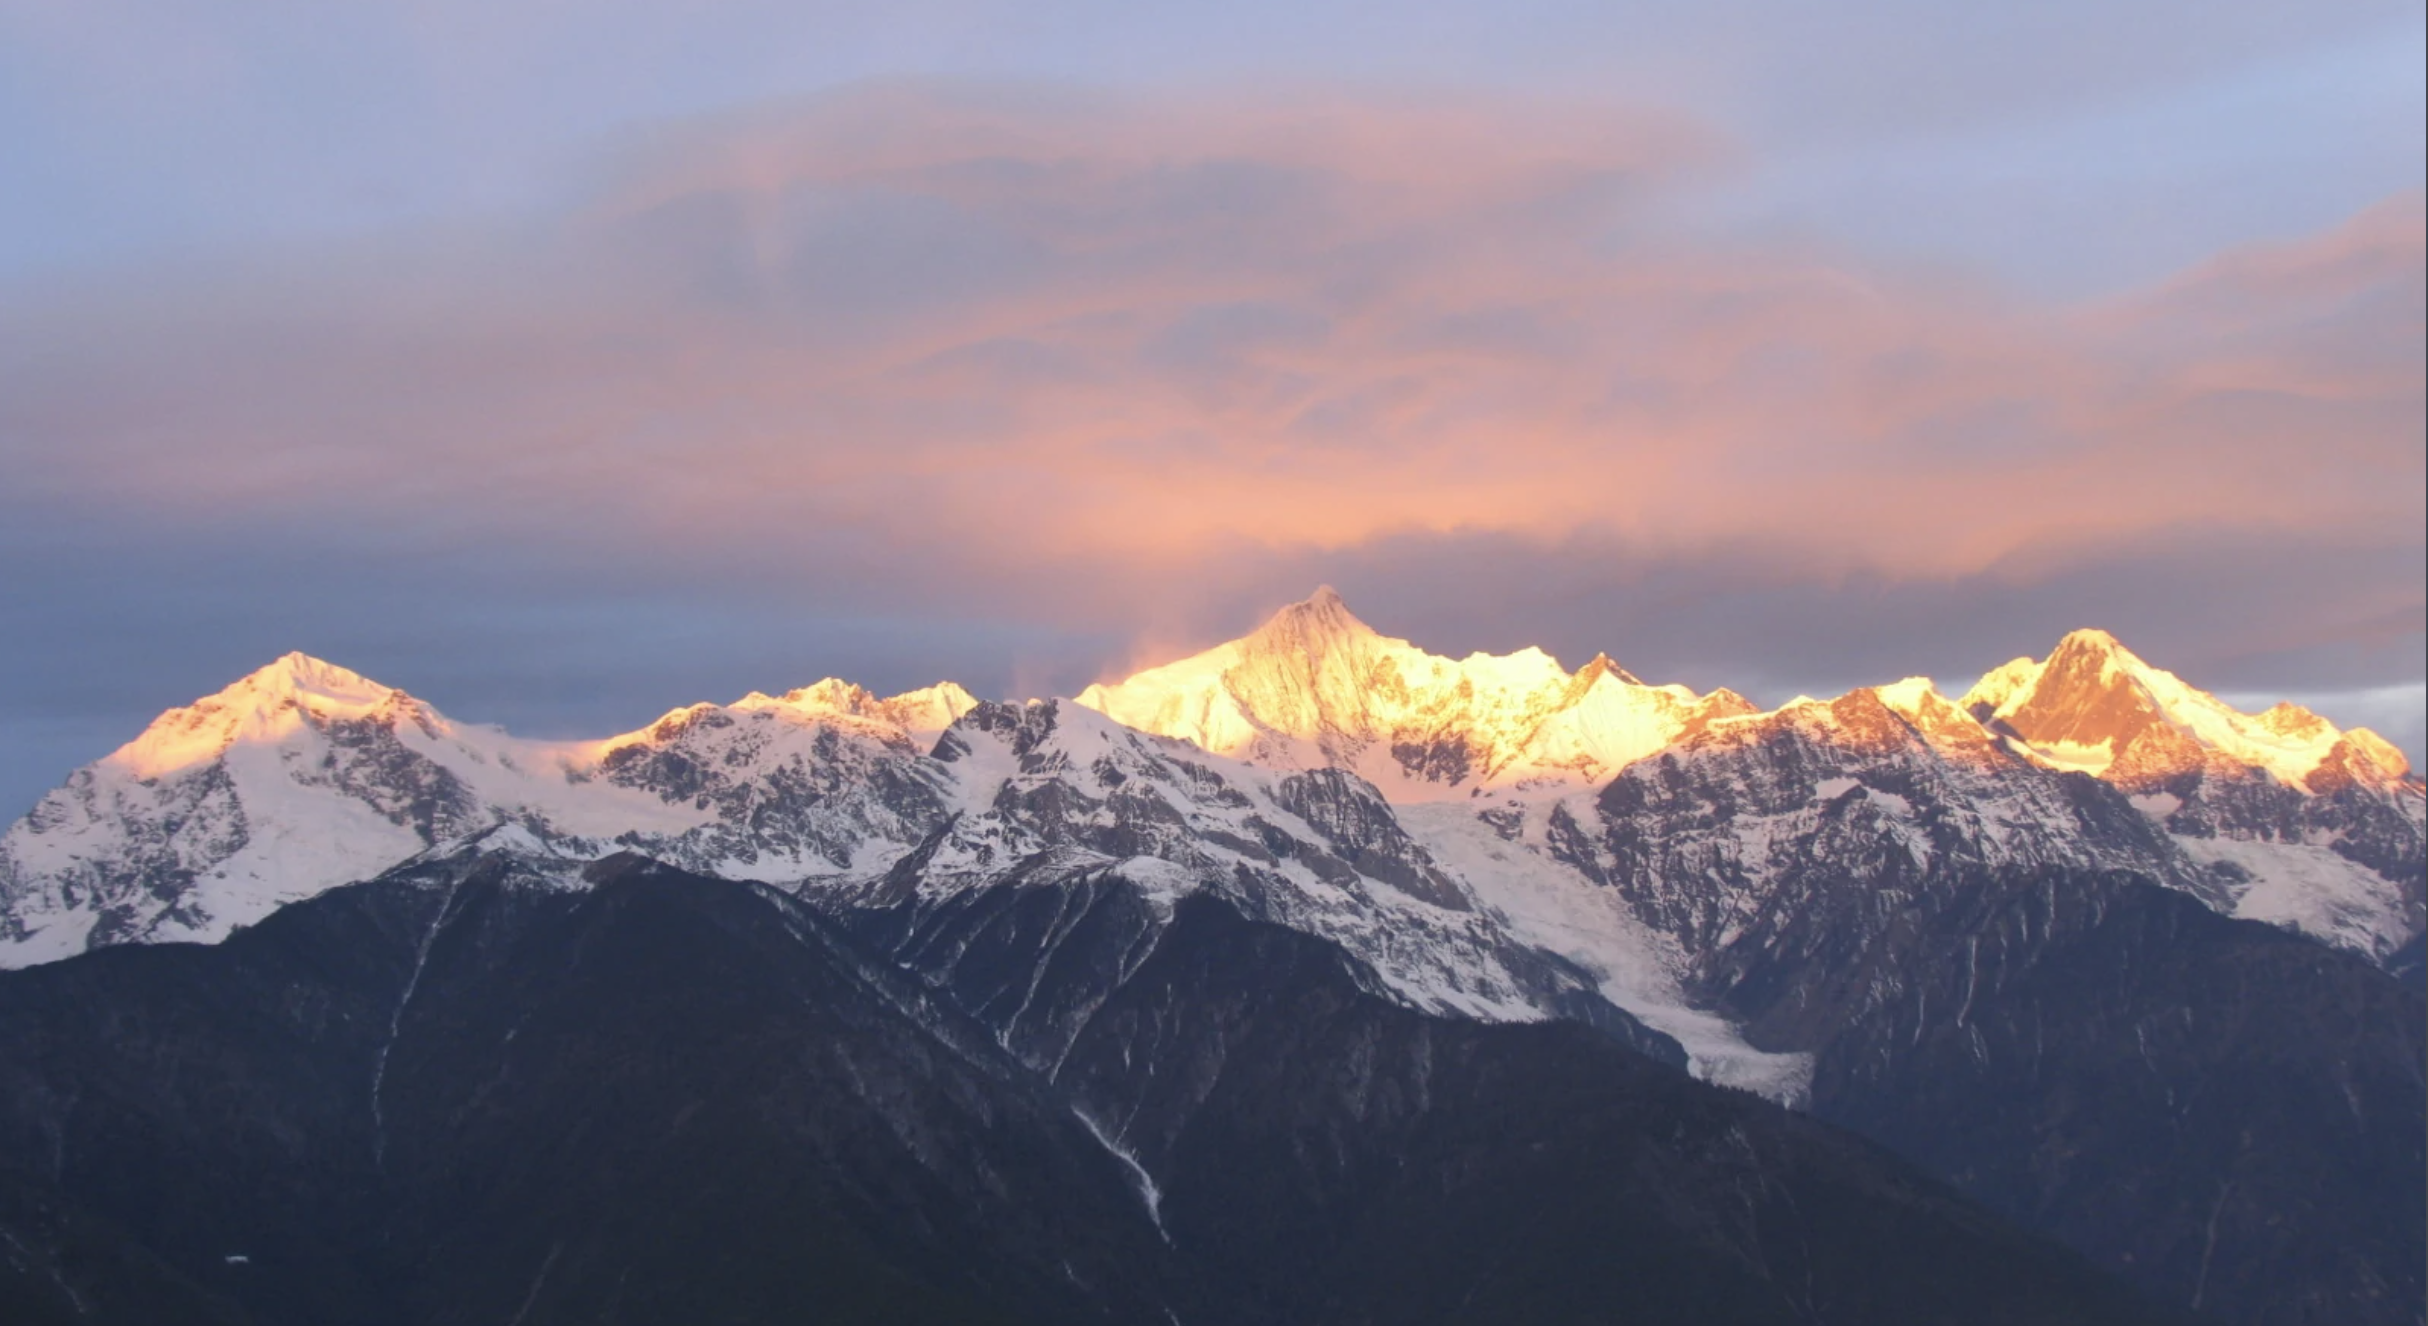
(1316, 687)
(303, 775)
(1492, 834)
(1052, 790)
(1760, 832)
(1881, 893)
(2297, 822)
(2094, 705)
(2276, 816)
(1454, 917)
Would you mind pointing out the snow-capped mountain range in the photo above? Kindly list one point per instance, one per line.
(1316, 688)
(1494, 835)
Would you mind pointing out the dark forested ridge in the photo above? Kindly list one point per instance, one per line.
(465, 1094)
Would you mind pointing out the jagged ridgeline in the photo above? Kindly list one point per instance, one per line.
(1337, 981)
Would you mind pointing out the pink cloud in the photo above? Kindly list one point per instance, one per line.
(996, 332)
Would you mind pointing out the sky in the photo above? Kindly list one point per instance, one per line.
(565, 362)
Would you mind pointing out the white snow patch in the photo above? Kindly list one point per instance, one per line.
(1890, 801)
(1545, 903)
(2313, 890)
(1147, 1191)
(1163, 882)
(52, 935)
(1908, 697)
(2075, 756)
(2158, 805)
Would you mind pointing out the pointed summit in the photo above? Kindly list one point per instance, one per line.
(2096, 706)
(1314, 686)
(1311, 627)
(261, 706)
(296, 673)
(2090, 639)
(2088, 694)
(2090, 653)
(1603, 665)
(2287, 719)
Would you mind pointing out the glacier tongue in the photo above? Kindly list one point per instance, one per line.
(1545, 903)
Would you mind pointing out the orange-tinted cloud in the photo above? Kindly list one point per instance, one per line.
(987, 332)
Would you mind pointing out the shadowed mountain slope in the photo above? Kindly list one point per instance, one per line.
(472, 1093)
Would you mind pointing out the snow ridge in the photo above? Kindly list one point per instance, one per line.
(1490, 835)
(2292, 820)
(1316, 687)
